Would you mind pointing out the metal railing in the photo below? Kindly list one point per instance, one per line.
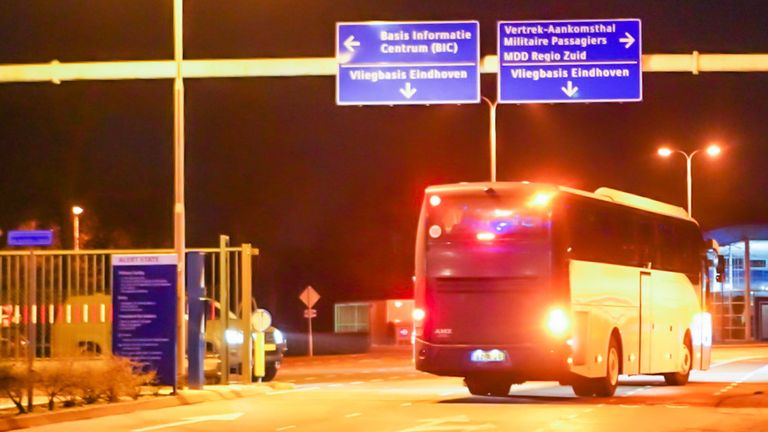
(63, 298)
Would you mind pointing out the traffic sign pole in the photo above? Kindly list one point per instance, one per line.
(309, 297)
(309, 320)
(31, 328)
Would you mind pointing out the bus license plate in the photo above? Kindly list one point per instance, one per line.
(483, 356)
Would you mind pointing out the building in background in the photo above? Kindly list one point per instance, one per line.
(386, 321)
(745, 250)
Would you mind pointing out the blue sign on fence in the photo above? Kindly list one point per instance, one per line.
(30, 238)
(570, 61)
(144, 305)
(407, 63)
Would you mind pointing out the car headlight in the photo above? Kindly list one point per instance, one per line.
(233, 337)
(278, 335)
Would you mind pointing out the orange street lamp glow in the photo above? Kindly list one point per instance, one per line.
(713, 150)
(76, 211)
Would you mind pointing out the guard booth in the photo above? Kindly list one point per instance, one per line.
(739, 303)
(389, 322)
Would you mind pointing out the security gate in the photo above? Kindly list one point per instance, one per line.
(61, 300)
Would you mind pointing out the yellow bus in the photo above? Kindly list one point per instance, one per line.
(520, 282)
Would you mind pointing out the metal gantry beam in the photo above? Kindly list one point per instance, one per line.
(57, 72)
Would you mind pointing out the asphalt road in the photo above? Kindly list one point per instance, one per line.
(381, 391)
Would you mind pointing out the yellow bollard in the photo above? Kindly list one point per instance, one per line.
(259, 357)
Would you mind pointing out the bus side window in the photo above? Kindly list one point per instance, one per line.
(646, 243)
(627, 241)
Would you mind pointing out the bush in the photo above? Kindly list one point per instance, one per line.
(125, 378)
(13, 383)
(76, 381)
(56, 379)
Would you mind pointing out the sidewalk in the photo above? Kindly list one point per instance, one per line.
(184, 397)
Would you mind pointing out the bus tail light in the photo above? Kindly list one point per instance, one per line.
(558, 323)
(418, 315)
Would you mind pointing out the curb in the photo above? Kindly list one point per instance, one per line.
(184, 397)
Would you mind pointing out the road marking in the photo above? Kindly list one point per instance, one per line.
(279, 392)
(352, 415)
(286, 428)
(443, 424)
(335, 385)
(635, 391)
(629, 406)
(407, 404)
(677, 406)
(738, 359)
(357, 382)
(191, 420)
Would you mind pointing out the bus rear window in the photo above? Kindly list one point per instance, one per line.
(487, 217)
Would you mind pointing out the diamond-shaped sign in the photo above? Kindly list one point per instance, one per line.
(309, 296)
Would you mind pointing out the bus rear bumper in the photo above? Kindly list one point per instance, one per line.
(527, 362)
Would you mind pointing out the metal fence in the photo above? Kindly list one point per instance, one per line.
(58, 303)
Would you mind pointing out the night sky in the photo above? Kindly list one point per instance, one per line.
(330, 195)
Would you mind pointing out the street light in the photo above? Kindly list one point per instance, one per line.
(713, 150)
(76, 212)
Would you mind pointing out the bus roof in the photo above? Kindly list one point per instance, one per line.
(603, 193)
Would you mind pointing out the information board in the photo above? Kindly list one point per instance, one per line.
(407, 63)
(570, 61)
(144, 304)
(30, 238)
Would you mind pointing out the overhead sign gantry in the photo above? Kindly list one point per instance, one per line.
(569, 61)
(408, 63)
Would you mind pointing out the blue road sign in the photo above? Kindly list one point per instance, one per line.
(570, 61)
(144, 305)
(30, 238)
(407, 63)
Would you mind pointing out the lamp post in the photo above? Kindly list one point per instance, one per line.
(76, 212)
(492, 135)
(713, 150)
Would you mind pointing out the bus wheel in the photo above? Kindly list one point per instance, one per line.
(583, 387)
(686, 360)
(487, 386)
(606, 386)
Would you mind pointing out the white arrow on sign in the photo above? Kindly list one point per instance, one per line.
(350, 43)
(408, 91)
(627, 40)
(570, 90)
(191, 420)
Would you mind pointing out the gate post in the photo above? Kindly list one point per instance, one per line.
(224, 273)
(195, 270)
(245, 306)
